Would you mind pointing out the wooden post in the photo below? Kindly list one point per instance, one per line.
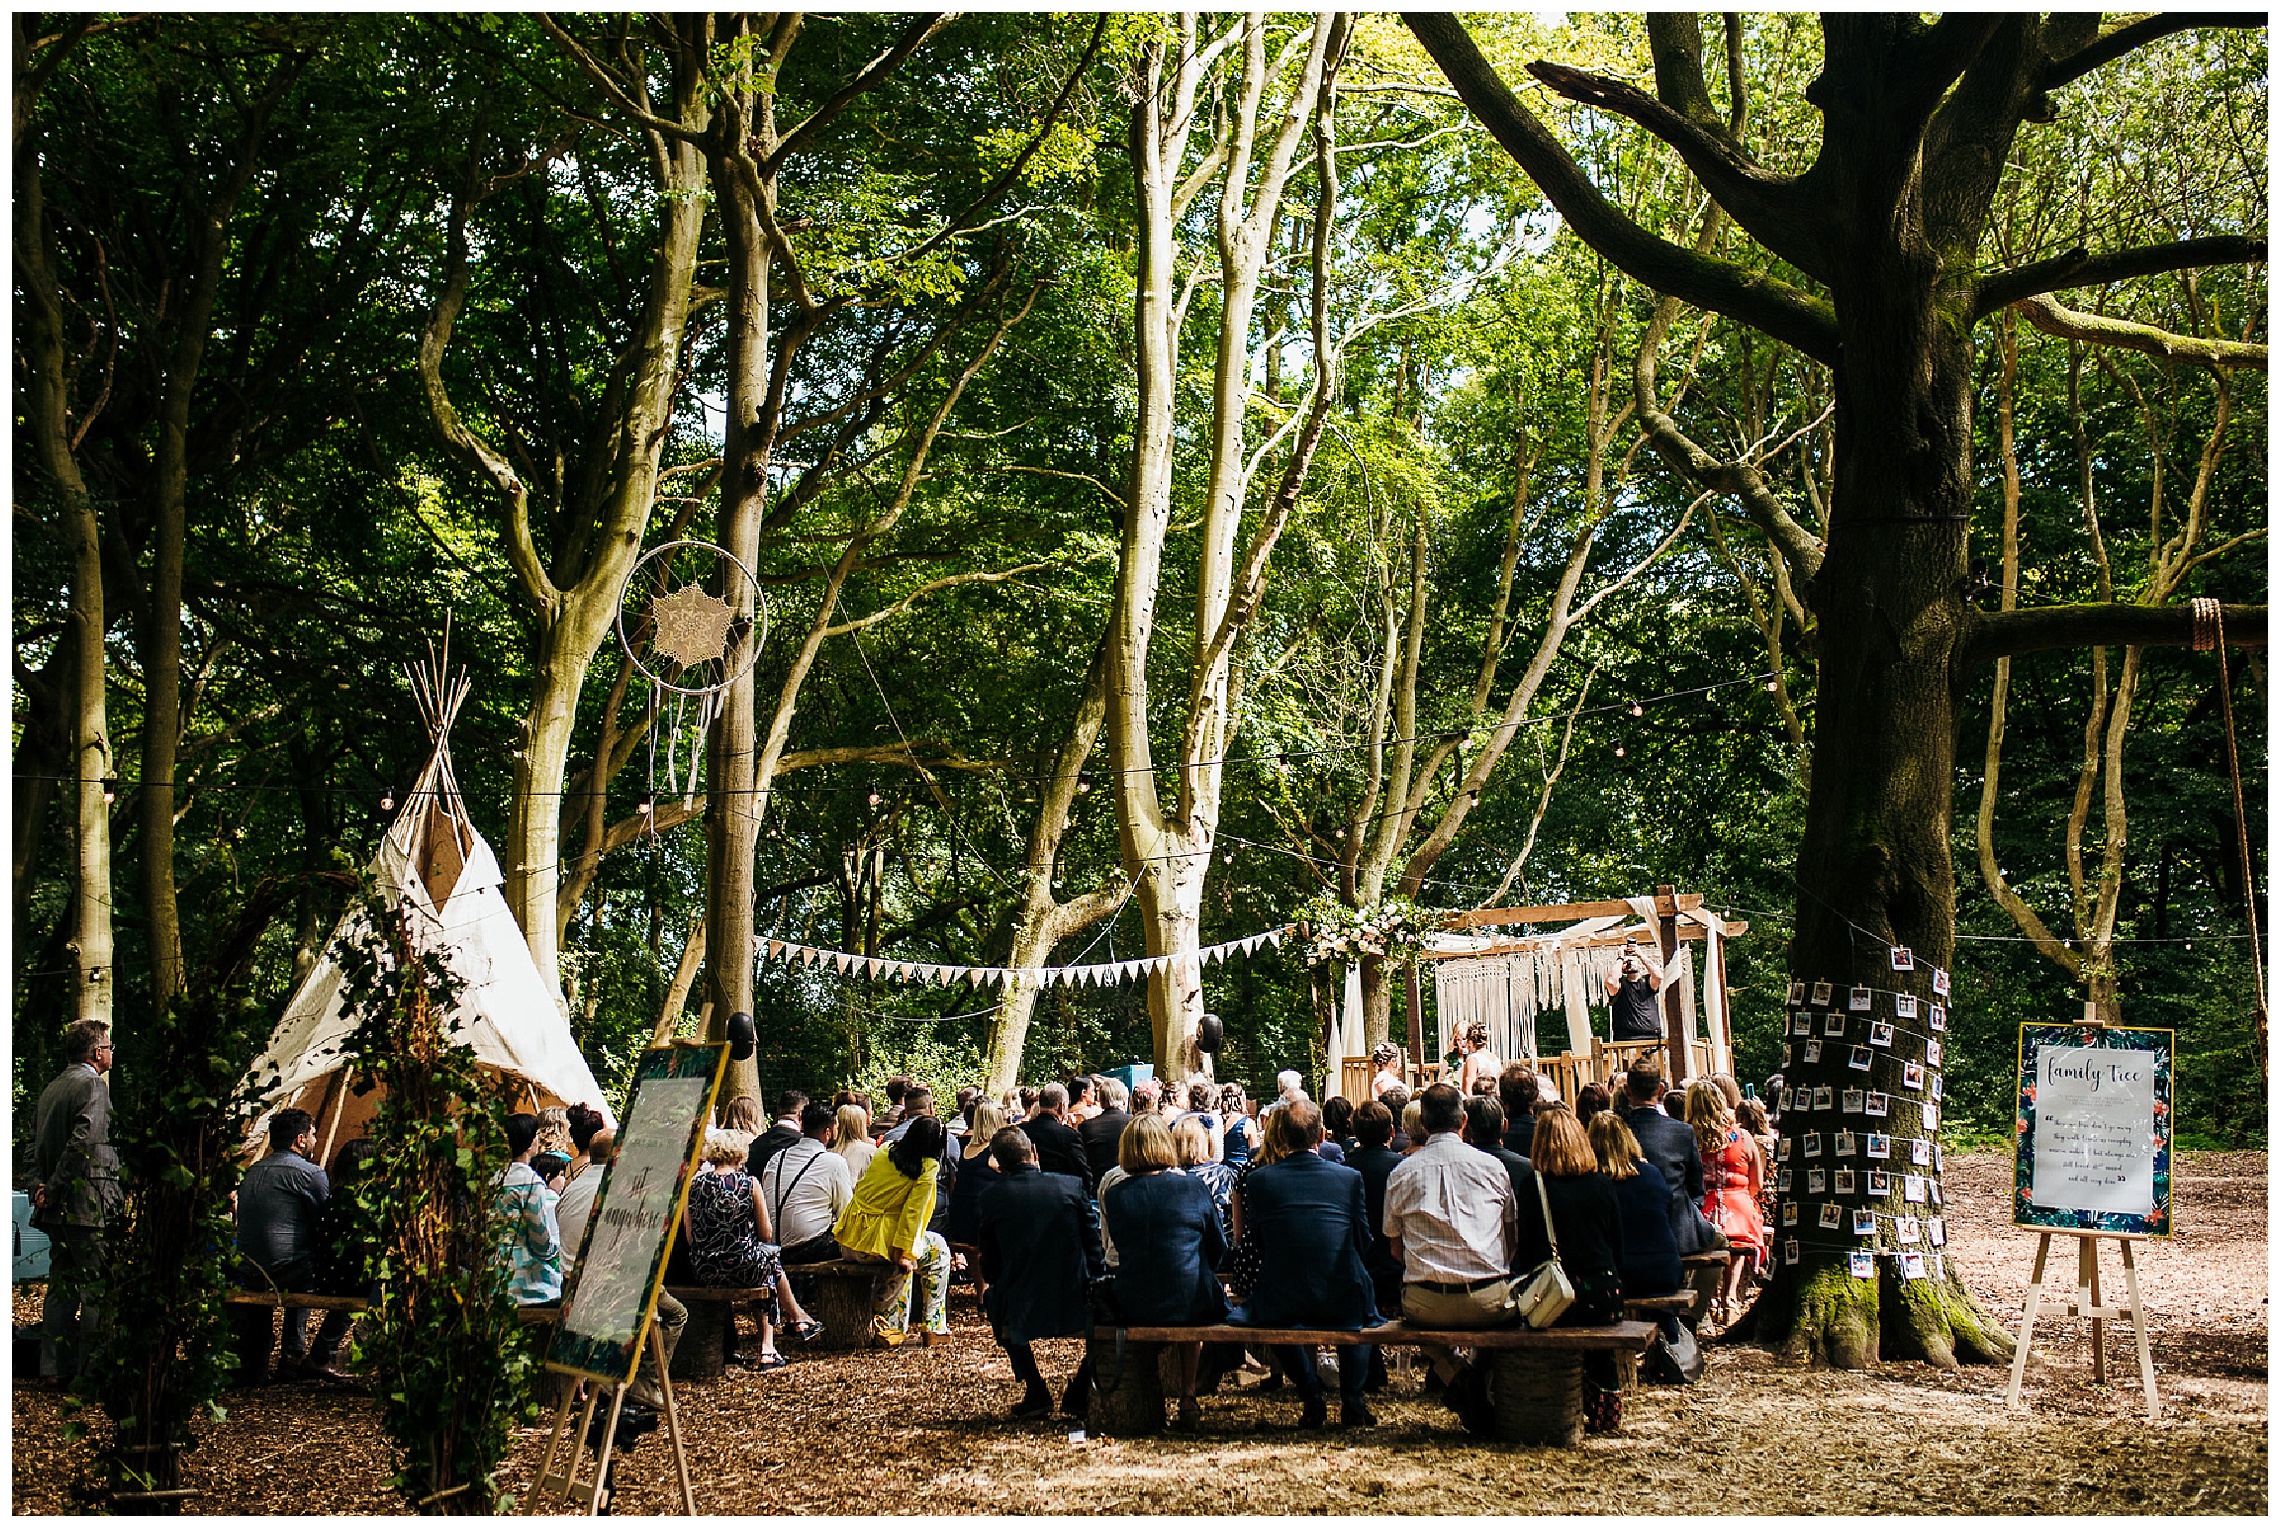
(1677, 1042)
(1416, 995)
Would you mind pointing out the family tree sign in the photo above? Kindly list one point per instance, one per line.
(2094, 1130)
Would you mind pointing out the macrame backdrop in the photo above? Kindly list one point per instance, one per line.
(1511, 988)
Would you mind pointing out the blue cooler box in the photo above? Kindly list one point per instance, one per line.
(1132, 1076)
(31, 1243)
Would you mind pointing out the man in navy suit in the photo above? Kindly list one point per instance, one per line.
(1670, 1145)
(1313, 1231)
(1040, 1246)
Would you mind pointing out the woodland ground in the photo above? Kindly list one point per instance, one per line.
(912, 1431)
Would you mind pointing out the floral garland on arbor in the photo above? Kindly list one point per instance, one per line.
(1391, 929)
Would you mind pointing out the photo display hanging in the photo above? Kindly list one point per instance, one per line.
(2094, 1128)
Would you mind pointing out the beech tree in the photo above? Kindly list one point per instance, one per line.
(1879, 244)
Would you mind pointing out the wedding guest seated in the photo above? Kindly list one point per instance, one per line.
(1516, 1089)
(1484, 1131)
(977, 1173)
(1101, 1133)
(1309, 1218)
(851, 1138)
(805, 1186)
(1590, 1099)
(1191, 1142)
(1397, 1101)
(1374, 1159)
(530, 1240)
(1040, 1245)
(1590, 1228)
(1337, 1127)
(732, 1245)
(1642, 1203)
(887, 1221)
(1172, 1241)
(280, 1203)
(1238, 1132)
(1059, 1148)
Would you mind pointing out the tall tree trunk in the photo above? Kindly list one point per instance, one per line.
(94, 973)
(1168, 849)
(1040, 922)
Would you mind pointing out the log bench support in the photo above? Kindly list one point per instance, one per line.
(1535, 1378)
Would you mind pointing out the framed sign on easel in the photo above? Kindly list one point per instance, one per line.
(2093, 1163)
(608, 1309)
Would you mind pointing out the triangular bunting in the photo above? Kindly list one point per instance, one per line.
(775, 948)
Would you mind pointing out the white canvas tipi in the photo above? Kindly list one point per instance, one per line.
(433, 864)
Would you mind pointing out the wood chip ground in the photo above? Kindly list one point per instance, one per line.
(917, 1431)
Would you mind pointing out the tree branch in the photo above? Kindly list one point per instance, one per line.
(2006, 634)
(2065, 71)
(607, 83)
(913, 38)
(862, 623)
(2080, 268)
(1782, 311)
(1769, 206)
(2097, 329)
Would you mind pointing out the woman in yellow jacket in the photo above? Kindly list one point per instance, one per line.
(886, 1222)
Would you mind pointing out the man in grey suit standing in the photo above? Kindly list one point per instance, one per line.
(76, 1191)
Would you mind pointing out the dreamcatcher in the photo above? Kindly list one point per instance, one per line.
(679, 619)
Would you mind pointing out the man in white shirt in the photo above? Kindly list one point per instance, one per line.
(1451, 1218)
(1289, 1089)
(576, 1205)
(804, 1187)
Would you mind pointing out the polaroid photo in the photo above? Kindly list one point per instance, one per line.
(1879, 1147)
(1912, 1187)
(1864, 1222)
(1920, 1152)
(1879, 1105)
(1822, 992)
(1939, 981)
(1879, 1183)
(1789, 1212)
(1862, 1262)
(1939, 1088)
(1834, 1025)
(1817, 1181)
(1781, 1181)
(1937, 1018)
(1903, 1005)
(1861, 1059)
(1781, 1149)
(1935, 1191)
(1861, 999)
(1848, 1144)
(1790, 1252)
(1832, 1216)
(1880, 1033)
(1935, 1054)
(1847, 1183)
(1812, 1052)
(1903, 958)
(1935, 1231)
(1939, 1157)
(1812, 1143)
(1824, 1098)
(1912, 1075)
(1904, 1230)
(1796, 993)
(1855, 1100)
(1800, 1023)
(1911, 1265)
(1939, 1266)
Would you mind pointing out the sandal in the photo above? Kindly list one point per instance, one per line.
(808, 1330)
(771, 1361)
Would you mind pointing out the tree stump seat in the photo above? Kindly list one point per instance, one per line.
(1650, 1308)
(1535, 1379)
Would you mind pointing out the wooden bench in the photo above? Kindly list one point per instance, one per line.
(1650, 1308)
(844, 1295)
(1705, 1271)
(1535, 1383)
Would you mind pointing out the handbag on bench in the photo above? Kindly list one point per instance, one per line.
(1543, 1293)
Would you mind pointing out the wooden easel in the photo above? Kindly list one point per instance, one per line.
(566, 1484)
(2085, 1302)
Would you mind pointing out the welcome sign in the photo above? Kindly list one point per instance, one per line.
(621, 1265)
(2094, 1128)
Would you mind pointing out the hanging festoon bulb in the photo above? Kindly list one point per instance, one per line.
(110, 789)
(1772, 686)
(646, 805)
(874, 795)
(1637, 709)
(1618, 750)
(1084, 782)
(387, 798)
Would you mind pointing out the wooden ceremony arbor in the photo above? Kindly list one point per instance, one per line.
(1677, 919)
